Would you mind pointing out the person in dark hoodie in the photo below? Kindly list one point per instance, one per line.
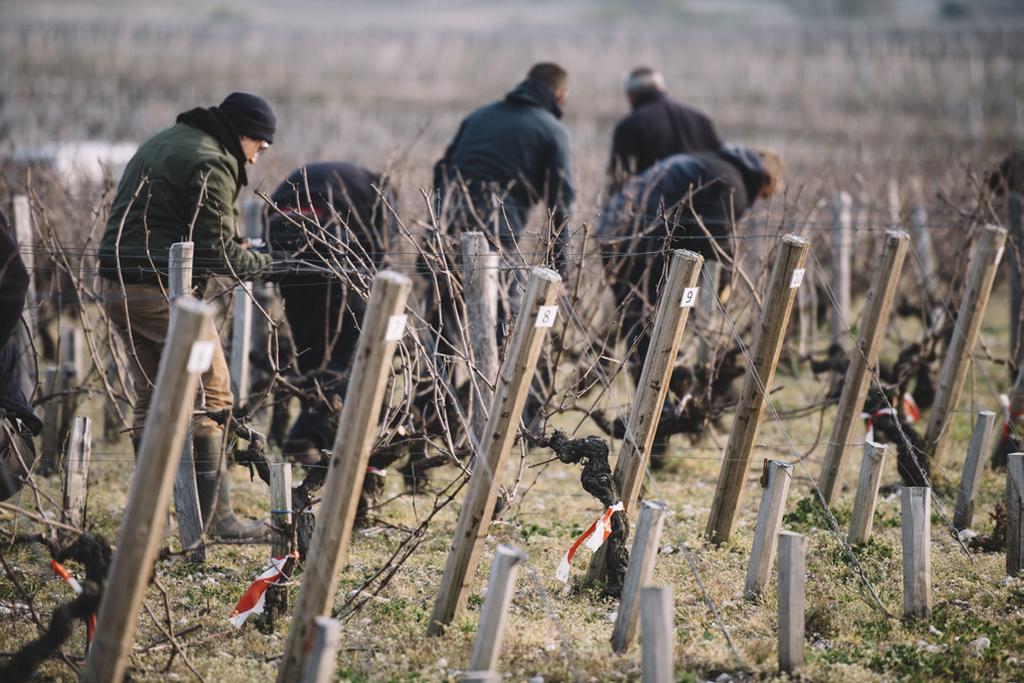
(330, 219)
(507, 157)
(657, 128)
(21, 421)
(687, 201)
(183, 185)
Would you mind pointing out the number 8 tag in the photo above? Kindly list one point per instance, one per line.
(689, 297)
(546, 316)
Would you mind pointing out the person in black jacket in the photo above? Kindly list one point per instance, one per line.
(658, 127)
(332, 220)
(508, 156)
(687, 201)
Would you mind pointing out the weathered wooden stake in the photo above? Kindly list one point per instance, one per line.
(383, 325)
(792, 551)
(863, 517)
(51, 438)
(641, 568)
(925, 260)
(494, 614)
(320, 665)
(917, 551)
(186, 495)
(76, 472)
(1014, 514)
(657, 634)
(280, 518)
(1016, 239)
(141, 532)
(787, 273)
(707, 307)
(842, 253)
(241, 342)
(480, 288)
(968, 321)
(28, 364)
(863, 361)
(974, 464)
(679, 294)
(769, 521)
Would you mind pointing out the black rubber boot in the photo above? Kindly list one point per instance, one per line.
(223, 522)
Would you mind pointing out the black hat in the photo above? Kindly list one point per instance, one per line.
(250, 115)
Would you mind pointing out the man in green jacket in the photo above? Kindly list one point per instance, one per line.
(182, 186)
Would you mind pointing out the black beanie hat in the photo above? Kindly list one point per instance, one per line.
(250, 115)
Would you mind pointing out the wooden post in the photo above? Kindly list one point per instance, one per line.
(641, 568)
(51, 442)
(186, 495)
(807, 310)
(863, 517)
(494, 614)
(974, 464)
(792, 550)
(536, 316)
(72, 347)
(657, 634)
(76, 472)
(707, 308)
(383, 325)
(787, 274)
(863, 361)
(480, 288)
(922, 240)
(1016, 239)
(241, 342)
(968, 321)
(769, 521)
(1014, 514)
(320, 664)
(141, 532)
(917, 551)
(679, 294)
(28, 364)
(280, 518)
(842, 252)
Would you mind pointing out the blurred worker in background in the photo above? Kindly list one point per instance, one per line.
(331, 217)
(658, 127)
(183, 185)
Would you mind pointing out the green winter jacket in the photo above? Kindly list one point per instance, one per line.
(187, 175)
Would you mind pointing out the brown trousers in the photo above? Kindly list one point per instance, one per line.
(139, 313)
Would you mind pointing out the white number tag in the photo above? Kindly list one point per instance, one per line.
(999, 254)
(798, 277)
(200, 357)
(546, 316)
(689, 297)
(396, 327)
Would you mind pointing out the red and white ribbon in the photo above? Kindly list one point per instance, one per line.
(910, 409)
(370, 469)
(869, 419)
(594, 537)
(62, 571)
(255, 597)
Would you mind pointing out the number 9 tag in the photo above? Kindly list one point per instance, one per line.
(689, 297)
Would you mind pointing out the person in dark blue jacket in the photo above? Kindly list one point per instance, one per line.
(657, 128)
(507, 157)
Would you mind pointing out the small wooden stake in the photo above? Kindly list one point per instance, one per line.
(320, 664)
(984, 263)
(842, 257)
(28, 363)
(863, 360)
(1014, 514)
(382, 327)
(186, 495)
(657, 635)
(142, 528)
(764, 356)
(51, 441)
(792, 550)
(480, 287)
(494, 614)
(641, 568)
(973, 466)
(863, 517)
(707, 307)
(241, 342)
(917, 551)
(76, 471)
(536, 316)
(766, 533)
